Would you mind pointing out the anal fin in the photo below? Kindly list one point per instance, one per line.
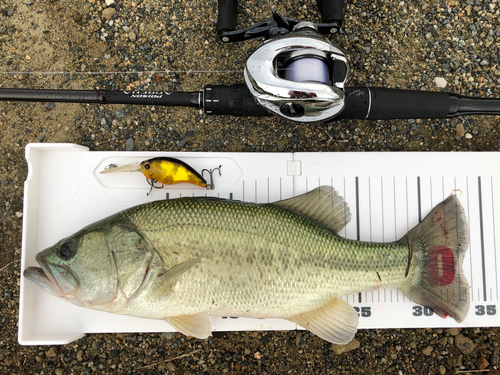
(197, 325)
(336, 321)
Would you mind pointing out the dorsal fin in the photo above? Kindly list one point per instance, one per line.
(322, 204)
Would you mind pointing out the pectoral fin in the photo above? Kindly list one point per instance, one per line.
(164, 282)
(197, 325)
(336, 322)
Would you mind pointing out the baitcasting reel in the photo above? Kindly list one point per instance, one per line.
(299, 76)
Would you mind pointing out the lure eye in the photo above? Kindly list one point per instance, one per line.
(147, 166)
(66, 250)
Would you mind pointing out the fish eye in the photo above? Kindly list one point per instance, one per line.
(66, 250)
(147, 166)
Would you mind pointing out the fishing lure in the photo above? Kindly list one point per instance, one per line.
(166, 171)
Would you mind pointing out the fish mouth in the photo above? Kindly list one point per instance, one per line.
(39, 277)
(45, 278)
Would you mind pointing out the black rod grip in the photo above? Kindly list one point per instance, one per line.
(462, 105)
(65, 96)
(228, 13)
(235, 100)
(377, 103)
(331, 10)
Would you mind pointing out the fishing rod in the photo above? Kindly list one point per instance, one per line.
(295, 73)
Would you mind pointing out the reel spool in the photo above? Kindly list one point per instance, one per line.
(299, 76)
(306, 66)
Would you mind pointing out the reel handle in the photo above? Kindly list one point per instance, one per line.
(331, 11)
(227, 15)
(331, 20)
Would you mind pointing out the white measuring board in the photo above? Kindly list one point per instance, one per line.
(388, 193)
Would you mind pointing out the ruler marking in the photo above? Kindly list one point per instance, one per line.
(370, 206)
(460, 286)
(419, 207)
(357, 208)
(419, 199)
(395, 214)
(470, 245)
(481, 231)
(430, 186)
(494, 235)
(456, 218)
(382, 201)
(442, 185)
(407, 207)
(281, 188)
(357, 219)
(268, 192)
(345, 210)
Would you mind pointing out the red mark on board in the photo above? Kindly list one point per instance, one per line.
(441, 265)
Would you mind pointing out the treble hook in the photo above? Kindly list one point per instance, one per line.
(151, 182)
(211, 185)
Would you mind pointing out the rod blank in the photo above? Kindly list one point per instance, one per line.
(66, 96)
(163, 98)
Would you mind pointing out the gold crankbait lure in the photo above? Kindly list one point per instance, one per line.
(166, 171)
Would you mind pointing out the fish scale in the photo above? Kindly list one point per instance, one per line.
(244, 247)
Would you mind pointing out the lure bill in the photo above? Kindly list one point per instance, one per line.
(183, 260)
(165, 171)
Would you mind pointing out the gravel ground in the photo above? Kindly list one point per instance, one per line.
(404, 44)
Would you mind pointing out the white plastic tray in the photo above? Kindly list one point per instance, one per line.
(387, 192)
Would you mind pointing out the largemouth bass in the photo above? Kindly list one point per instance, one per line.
(185, 259)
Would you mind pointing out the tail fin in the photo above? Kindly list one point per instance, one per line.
(439, 244)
